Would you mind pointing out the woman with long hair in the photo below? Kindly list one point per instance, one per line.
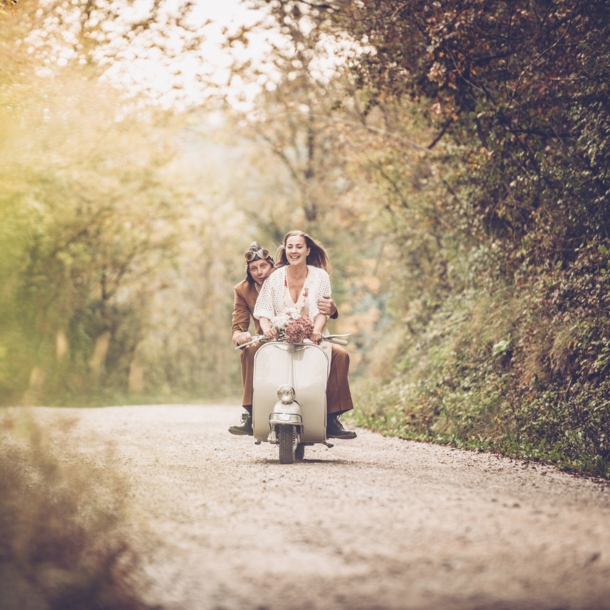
(317, 256)
(301, 280)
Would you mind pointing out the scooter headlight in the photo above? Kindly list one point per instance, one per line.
(286, 394)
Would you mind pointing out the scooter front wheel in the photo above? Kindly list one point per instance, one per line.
(287, 437)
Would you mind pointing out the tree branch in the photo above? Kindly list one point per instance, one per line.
(440, 135)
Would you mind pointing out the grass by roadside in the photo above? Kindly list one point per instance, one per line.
(394, 425)
(521, 372)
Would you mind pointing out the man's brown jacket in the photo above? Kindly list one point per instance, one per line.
(246, 294)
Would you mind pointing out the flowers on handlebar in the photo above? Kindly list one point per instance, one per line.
(280, 323)
(292, 326)
(298, 330)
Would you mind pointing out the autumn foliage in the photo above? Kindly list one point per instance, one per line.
(506, 345)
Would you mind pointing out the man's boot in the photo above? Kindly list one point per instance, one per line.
(245, 428)
(335, 429)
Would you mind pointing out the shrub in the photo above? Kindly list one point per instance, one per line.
(62, 541)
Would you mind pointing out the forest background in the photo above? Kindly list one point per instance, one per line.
(454, 156)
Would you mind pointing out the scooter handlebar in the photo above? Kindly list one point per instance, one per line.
(338, 341)
(330, 338)
(254, 339)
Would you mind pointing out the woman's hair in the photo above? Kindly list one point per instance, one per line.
(317, 255)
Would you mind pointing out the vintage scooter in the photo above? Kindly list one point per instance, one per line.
(289, 400)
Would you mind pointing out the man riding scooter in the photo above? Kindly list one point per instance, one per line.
(259, 266)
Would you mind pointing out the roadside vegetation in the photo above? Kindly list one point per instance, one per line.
(64, 544)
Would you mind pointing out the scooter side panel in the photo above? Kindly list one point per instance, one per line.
(271, 370)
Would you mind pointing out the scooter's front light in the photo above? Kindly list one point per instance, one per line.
(285, 393)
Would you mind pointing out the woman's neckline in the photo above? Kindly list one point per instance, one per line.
(304, 289)
(295, 279)
(298, 278)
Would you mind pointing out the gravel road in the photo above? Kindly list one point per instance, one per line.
(374, 523)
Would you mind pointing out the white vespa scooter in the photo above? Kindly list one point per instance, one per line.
(289, 400)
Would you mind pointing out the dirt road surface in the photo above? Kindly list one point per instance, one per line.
(374, 523)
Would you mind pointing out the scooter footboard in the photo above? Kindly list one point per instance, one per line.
(305, 369)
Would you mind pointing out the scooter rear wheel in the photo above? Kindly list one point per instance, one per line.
(287, 440)
(299, 454)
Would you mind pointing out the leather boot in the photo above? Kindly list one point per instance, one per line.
(245, 428)
(335, 429)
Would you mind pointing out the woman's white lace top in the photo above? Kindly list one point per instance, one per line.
(270, 302)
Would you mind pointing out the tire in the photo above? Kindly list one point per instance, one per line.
(286, 440)
(299, 454)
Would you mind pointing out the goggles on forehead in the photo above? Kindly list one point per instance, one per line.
(251, 255)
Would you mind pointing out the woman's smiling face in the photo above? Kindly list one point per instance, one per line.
(297, 250)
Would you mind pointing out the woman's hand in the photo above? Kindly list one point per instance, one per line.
(269, 331)
(318, 327)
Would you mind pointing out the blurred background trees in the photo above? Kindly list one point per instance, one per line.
(113, 281)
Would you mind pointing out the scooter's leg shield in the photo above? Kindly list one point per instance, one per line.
(305, 369)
